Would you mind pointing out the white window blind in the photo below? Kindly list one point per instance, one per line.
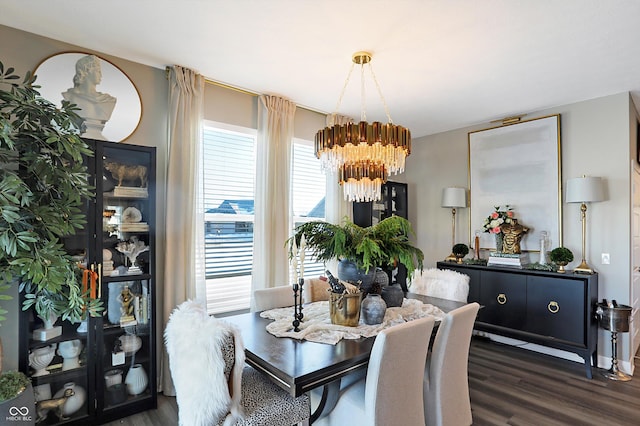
(228, 192)
(308, 194)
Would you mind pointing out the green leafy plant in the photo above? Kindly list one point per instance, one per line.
(43, 188)
(561, 255)
(11, 384)
(460, 250)
(383, 244)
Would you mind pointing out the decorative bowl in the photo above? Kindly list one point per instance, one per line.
(130, 343)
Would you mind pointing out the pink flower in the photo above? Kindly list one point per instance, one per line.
(494, 215)
(510, 213)
(496, 230)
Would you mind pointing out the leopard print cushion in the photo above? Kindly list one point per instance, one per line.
(265, 404)
(228, 355)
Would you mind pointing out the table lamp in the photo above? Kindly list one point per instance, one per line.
(584, 190)
(453, 198)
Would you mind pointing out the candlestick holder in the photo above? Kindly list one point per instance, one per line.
(297, 304)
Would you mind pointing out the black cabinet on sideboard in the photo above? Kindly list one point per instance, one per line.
(120, 218)
(393, 201)
(546, 308)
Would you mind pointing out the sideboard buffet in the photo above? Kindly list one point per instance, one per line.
(547, 308)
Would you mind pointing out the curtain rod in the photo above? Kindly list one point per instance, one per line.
(245, 91)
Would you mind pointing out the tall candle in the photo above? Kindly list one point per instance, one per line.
(294, 266)
(303, 244)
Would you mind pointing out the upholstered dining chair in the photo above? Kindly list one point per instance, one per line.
(391, 393)
(315, 290)
(442, 283)
(213, 385)
(446, 383)
(273, 297)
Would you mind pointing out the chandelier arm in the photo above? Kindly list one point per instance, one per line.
(384, 102)
(344, 88)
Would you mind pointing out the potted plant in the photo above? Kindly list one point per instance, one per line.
(17, 402)
(43, 189)
(561, 256)
(459, 251)
(384, 244)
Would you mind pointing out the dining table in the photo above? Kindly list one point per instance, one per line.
(299, 366)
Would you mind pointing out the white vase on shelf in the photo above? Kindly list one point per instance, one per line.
(136, 380)
(39, 359)
(75, 401)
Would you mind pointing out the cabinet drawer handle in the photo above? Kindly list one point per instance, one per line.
(553, 307)
(502, 298)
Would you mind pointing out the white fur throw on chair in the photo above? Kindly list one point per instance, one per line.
(200, 369)
(442, 283)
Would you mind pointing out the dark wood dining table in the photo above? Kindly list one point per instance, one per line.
(298, 366)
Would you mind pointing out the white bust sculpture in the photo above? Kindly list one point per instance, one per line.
(70, 350)
(95, 107)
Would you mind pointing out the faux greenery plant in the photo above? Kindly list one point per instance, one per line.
(561, 255)
(380, 245)
(11, 384)
(43, 188)
(460, 250)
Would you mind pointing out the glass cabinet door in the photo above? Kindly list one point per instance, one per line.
(125, 253)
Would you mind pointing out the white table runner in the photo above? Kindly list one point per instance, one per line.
(317, 327)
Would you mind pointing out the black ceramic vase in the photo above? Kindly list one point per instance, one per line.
(349, 272)
(393, 295)
(373, 309)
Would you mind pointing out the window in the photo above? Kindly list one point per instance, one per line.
(228, 191)
(228, 188)
(308, 194)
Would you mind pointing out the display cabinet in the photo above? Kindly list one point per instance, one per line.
(546, 308)
(109, 362)
(393, 201)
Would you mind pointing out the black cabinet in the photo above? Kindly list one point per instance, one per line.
(115, 372)
(546, 308)
(393, 201)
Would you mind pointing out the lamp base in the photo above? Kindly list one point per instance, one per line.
(451, 258)
(616, 375)
(583, 268)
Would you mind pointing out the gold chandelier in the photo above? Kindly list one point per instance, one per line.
(363, 154)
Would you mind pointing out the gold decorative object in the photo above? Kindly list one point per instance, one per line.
(363, 154)
(344, 309)
(512, 235)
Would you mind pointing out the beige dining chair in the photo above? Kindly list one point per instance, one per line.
(272, 297)
(212, 383)
(442, 283)
(391, 393)
(446, 383)
(315, 290)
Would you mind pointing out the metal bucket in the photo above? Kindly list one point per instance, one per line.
(344, 309)
(614, 318)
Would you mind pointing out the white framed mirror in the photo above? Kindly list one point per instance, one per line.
(108, 85)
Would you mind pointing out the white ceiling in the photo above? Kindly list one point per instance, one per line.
(441, 65)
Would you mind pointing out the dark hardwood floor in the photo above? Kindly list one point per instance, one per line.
(512, 386)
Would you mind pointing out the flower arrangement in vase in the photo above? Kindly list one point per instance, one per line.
(496, 219)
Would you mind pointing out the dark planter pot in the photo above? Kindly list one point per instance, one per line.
(20, 410)
(349, 272)
(393, 295)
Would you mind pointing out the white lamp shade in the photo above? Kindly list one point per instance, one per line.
(584, 190)
(454, 197)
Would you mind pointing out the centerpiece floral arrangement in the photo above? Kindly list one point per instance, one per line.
(498, 217)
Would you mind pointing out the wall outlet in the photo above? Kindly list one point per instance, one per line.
(606, 259)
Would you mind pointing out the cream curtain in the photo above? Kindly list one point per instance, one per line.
(336, 207)
(184, 258)
(272, 206)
